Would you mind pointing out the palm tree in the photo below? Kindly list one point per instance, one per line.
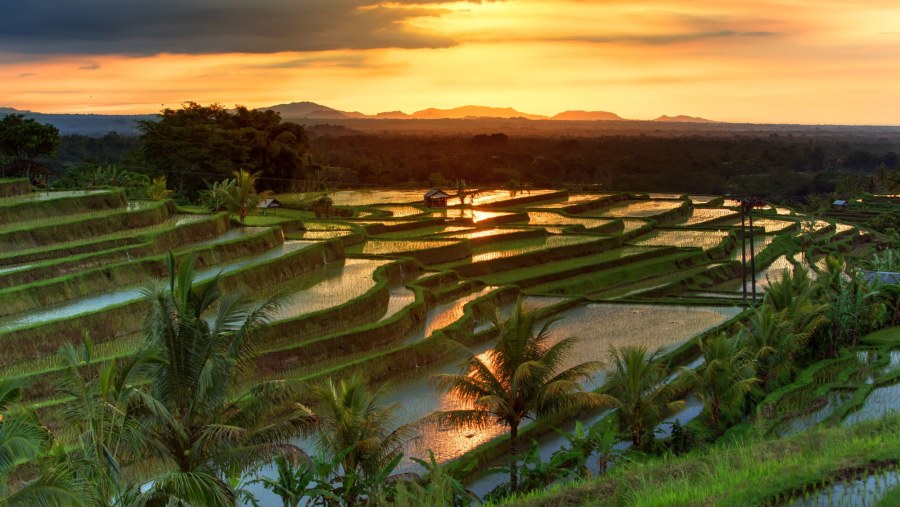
(198, 426)
(726, 376)
(637, 385)
(241, 197)
(98, 428)
(794, 297)
(771, 340)
(23, 441)
(353, 430)
(521, 378)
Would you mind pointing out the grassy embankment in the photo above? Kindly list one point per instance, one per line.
(748, 466)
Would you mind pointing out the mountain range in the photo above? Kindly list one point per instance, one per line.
(313, 111)
(308, 113)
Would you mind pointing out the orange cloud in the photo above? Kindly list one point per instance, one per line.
(820, 61)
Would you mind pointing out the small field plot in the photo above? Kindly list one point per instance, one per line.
(513, 248)
(664, 195)
(772, 225)
(764, 276)
(495, 196)
(880, 402)
(573, 200)
(400, 211)
(483, 233)
(601, 326)
(550, 218)
(473, 214)
(682, 239)
(702, 199)
(376, 196)
(760, 242)
(390, 247)
(334, 285)
(638, 209)
(704, 215)
(839, 227)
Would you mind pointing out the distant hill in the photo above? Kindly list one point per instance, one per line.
(306, 110)
(587, 116)
(684, 119)
(475, 112)
(311, 113)
(393, 115)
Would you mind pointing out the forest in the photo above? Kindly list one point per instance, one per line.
(199, 144)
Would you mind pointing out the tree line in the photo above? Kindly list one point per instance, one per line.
(197, 144)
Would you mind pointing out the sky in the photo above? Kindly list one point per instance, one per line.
(761, 61)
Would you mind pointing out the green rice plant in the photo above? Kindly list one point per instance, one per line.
(705, 239)
(708, 215)
(552, 218)
(638, 209)
(572, 200)
(520, 247)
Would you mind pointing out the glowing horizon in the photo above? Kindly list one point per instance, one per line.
(814, 62)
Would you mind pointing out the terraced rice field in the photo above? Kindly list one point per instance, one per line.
(638, 209)
(337, 284)
(401, 211)
(515, 248)
(549, 218)
(474, 215)
(704, 215)
(573, 200)
(390, 247)
(683, 238)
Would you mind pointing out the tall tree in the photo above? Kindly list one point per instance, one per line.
(199, 426)
(726, 376)
(637, 384)
(26, 138)
(770, 337)
(354, 428)
(98, 430)
(22, 442)
(201, 142)
(521, 378)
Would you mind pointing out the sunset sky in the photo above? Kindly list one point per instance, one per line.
(794, 61)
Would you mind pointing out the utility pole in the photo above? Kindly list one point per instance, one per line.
(747, 206)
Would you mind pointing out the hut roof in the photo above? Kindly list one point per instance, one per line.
(269, 203)
(436, 192)
(22, 166)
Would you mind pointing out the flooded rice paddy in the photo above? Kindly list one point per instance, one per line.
(99, 302)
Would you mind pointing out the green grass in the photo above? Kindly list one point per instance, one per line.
(753, 472)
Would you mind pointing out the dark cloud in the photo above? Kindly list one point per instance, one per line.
(27, 74)
(139, 27)
(90, 66)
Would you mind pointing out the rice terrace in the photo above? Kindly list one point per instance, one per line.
(372, 287)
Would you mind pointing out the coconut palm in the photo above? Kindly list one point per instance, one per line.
(98, 429)
(794, 297)
(353, 429)
(23, 441)
(241, 197)
(199, 427)
(771, 340)
(637, 384)
(726, 376)
(521, 377)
